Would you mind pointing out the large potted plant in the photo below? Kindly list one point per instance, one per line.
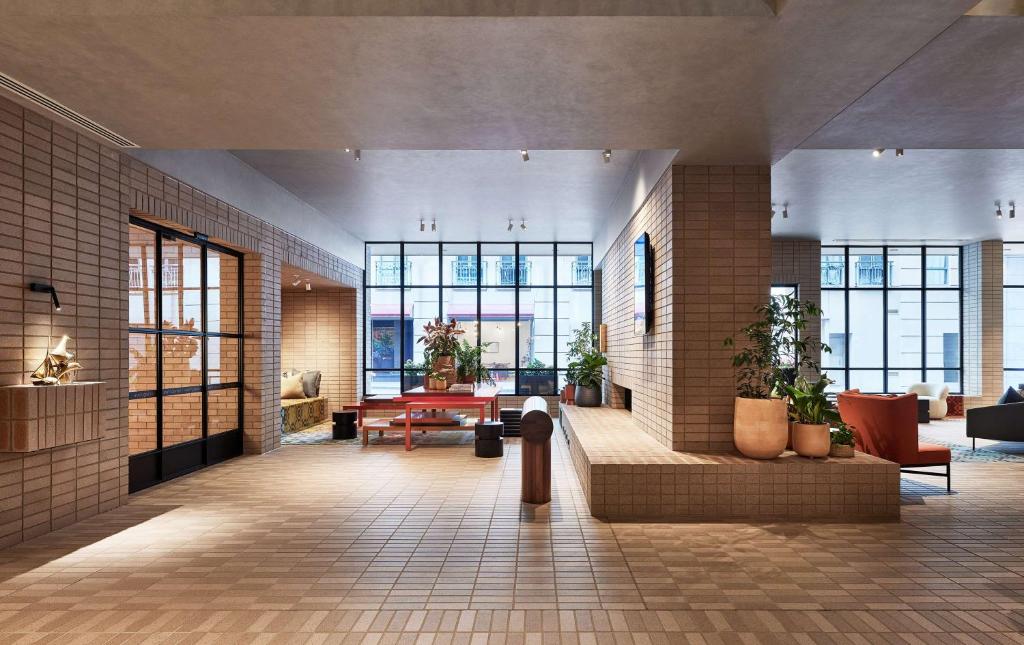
(586, 367)
(812, 416)
(441, 341)
(772, 352)
(470, 367)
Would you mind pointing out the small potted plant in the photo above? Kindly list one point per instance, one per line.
(441, 341)
(470, 367)
(586, 367)
(437, 381)
(772, 353)
(812, 415)
(843, 440)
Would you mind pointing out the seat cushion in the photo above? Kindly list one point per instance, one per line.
(929, 453)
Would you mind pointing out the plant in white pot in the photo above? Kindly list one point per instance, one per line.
(812, 416)
(772, 354)
(585, 371)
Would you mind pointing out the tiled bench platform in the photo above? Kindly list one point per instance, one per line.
(627, 475)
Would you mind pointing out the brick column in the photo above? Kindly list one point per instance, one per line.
(983, 322)
(721, 272)
(262, 354)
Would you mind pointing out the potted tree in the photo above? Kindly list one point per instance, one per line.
(812, 415)
(441, 342)
(843, 440)
(772, 352)
(586, 367)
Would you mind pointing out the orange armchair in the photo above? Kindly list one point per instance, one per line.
(886, 427)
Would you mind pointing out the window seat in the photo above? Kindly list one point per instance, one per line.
(299, 414)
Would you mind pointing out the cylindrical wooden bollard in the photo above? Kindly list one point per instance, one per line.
(536, 428)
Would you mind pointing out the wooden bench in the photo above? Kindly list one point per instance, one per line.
(299, 414)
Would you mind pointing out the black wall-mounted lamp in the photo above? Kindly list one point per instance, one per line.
(39, 287)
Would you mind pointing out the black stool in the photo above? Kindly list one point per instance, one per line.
(344, 425)
(488, 439)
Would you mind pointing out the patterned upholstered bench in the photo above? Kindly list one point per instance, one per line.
(299, 414)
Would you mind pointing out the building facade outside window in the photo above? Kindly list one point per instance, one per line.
(522, 301)
(892, 316)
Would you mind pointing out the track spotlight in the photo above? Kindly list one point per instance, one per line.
(773, 209)
(423, 225)
(607, 154)
(357, 154)
(1013, 210)
(525, 154)
(522, 225)
(433, 225)
(877, 152)
(510, 224)
(999, 210)
(785, 211)
(899, 152)
(309, 287)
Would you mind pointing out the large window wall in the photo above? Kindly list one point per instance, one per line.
(892, 316)
(522, 301)
(184, 353)
(1013, 314)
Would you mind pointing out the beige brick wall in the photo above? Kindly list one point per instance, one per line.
(710, 228)
(65, 201)
(799, 262)
(318, 333)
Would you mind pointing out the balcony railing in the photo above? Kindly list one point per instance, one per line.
(869, 273)
(389, 272)
(832, 274)
(464, 271)
(506, 272)
(582, 272)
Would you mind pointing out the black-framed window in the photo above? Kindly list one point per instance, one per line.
(521, 299)
(892, 316)
(184, 352)
(1013, 314)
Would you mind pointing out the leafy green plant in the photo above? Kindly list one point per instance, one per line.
(441, 338)
(535, 364)
(470, 362)
(438, 376)
(775, 349)
(808, 402)
(842, 434)
(585, 359)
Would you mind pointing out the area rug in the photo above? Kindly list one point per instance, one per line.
(1007, 451)
(321, 434)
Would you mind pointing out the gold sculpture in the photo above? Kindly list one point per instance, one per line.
(57, 367)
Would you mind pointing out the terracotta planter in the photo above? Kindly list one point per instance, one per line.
(467, 380)
(760, 427)
(445, 366)
(588, 396)
(811, 439)
(839, 450)
(436, 384)
(569, 393)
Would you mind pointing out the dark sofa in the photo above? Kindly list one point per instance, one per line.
(997, 422)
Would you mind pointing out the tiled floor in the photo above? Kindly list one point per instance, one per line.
(343, 544)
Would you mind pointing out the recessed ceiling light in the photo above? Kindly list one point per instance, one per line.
(1013, 210)
(309, 287)
(423, 225)
(877, 152)
(525, 154)
(785, 211)
(297, 281)
(607, 154)
(433, 225)
(773, 209)
(348, 149)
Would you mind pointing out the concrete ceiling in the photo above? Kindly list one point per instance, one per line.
(965, 89)
(722, 80)
(562, 194)
(927, 195)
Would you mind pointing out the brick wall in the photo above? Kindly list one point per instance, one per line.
(318, 332)
(65, 201)
(983, 322)
(710, 230)
(799, 262)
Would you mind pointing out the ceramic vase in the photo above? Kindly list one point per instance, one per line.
(760, 427)
(569, 393)
(811, 439)
(445, 366)
(588, 396)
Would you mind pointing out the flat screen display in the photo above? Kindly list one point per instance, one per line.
(643, 285)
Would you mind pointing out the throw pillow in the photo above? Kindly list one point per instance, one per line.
(1010, 396)
(291, 387)
(311, 383)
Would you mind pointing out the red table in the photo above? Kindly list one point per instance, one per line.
(487, 394)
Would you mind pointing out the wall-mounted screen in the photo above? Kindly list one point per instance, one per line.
(643, 285)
